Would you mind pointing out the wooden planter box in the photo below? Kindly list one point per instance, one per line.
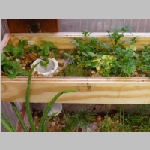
(91, 90)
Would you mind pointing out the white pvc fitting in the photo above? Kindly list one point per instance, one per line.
(49, 70)
(56, 108)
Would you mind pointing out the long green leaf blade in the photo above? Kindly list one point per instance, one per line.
(8, 122)
(48, 107)
(27, 99)
(19, 116)
(47, 121)
(8, 129)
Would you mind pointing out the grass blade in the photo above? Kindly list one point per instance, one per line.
(48, 107)
(47, 121)
(8, 122)
(19, 116)
(27, 99)
(8, 129)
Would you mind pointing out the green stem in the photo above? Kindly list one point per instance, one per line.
(19, 117)
(48, 107)
(8, 129)
(27, 99)
(47, 121)
(8, 122)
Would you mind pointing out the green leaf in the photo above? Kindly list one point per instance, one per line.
(131, 47)
(83, 53)
(46, 50)
(24, 43)
(91, 54)
(11, 76)
(2, 57)
(16, 51)
(15, 64)
(94, 64)
(88, 63)
(6, 126)
(106, 45)
(8, 48)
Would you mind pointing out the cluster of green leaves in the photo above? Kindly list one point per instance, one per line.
(45, 48)
(16, 51)
(11, 68)
(9, 64)
(44, 120)
(110, 60)
(79, 119)
(144, 63)
(136, 120)
(86, 51)
(125, 59)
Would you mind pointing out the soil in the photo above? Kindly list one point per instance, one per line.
(98, 124)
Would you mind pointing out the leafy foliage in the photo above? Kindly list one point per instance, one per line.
(44, 50)
(18, 51)
(118, 59)
(79, 119)
(11, 68)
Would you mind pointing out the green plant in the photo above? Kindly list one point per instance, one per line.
(79, 119)
(85, 52)
(16, 51)
(10, 63)
(127, 122)
(124, 62)
(116, 59)
(144, 63)
(44, 50)
(44, 120)
(10, 67)
(140, 109)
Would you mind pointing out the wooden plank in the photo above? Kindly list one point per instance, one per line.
(112, 90)
(62, 40)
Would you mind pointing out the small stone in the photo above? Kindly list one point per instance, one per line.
(61, 51)
(23, 68)
(35, 73)
(99, 118)
(56, 119)
(88, 130)
(51, 55)
(33, 57)
(23, 65)
(53, 124)
(61, 62)
(40, 75)
(60, 69)
(63, 121)
(142, 75)
(20, 65)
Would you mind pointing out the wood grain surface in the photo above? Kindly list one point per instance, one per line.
(63, 39)
(88, 90)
